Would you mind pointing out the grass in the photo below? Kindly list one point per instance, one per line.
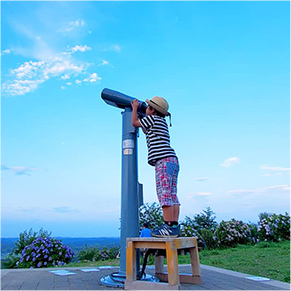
(271, 260)
(93, 264)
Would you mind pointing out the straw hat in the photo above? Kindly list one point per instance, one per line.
(159, 104)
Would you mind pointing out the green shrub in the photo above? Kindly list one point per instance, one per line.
(37, 249)
(201, 226)
(26, 238)
(113, 252)
(204, 220)
(89, 254)
(10, 261)
(231, 233)
(254, 234)
(151, 214)
(207, 236)
(45, 252)
(94, 254)
(274, 227)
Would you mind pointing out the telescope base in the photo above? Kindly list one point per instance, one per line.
(117, 280)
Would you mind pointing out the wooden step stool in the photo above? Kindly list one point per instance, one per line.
(171, 245)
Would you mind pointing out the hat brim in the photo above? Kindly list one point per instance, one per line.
(157, 107)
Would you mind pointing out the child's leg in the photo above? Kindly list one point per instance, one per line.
(171, 213)
(168, 213)
(176, 212)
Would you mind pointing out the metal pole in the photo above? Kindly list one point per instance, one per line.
(129, 187)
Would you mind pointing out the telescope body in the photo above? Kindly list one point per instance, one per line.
(131, 190)
(117, 99)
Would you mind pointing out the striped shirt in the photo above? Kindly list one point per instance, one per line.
(158, 138)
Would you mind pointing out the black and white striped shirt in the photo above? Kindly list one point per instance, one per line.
(158, 138)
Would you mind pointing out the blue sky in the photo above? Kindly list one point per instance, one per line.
(223, 66)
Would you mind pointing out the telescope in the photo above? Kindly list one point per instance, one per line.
(131, 189)
(120, 100)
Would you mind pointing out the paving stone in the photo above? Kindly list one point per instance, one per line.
(77, 287)
(91, 285)
(10, 287)
(212, 279)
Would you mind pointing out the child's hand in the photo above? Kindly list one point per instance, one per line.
(135, 104)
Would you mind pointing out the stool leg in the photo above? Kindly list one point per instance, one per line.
(130, 262)
(159, 264)
(194, 256)
(172, 263)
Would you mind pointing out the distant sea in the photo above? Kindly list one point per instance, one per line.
(75, 243)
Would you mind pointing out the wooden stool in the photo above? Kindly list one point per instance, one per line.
(171, 245)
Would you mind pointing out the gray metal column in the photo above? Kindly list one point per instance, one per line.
(129, 187)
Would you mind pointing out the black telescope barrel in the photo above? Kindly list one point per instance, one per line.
(120, 100)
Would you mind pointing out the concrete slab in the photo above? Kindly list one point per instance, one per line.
(212, 279)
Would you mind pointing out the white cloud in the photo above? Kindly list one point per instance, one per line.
(28, 76)
(6, 52)
(65, 209)
(115, 48)
(77, 23)
(244, 204)
(229, 162)
(104, 63)
(21, 87)
(65, 77)
(20, 170)
(28, 69)
(277, 171)
(92, 78)
(80, 48)
(204, 193)
(261, 190)
(72, 25)
(195, 195)
(78, 82)
(202, 179)
(58, 66)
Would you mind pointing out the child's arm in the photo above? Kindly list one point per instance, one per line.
(135, 121)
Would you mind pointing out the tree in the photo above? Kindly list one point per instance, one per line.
(151, 214)
(204, 220)
(202, 226)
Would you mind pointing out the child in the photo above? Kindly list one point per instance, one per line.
(164, 159)
(146, 232)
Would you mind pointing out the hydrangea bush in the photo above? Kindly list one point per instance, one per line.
(231, 233)
(275, 227)
(94, 254)
(189, 231)
(45, 252)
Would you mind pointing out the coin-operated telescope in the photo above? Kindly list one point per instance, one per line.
(122, 101)
(131, 190)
